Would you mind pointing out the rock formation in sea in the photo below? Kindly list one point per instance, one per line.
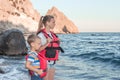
(63, 24)
(21, 12)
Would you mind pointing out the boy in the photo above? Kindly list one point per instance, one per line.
(33, 61)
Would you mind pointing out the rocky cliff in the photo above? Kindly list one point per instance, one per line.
(21, 13)
(63, 24)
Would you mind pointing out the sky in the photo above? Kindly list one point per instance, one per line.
(87, 15)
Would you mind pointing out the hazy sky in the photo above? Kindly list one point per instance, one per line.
(88, 15)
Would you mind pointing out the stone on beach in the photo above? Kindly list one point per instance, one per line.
(12, 42)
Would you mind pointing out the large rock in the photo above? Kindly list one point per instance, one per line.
(6, 25)
(12, 42)
(63, 24)
(16, 7)
(19, 12)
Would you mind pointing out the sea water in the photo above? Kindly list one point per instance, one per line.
(87, 56)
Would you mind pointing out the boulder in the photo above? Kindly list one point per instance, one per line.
(12, 42)
(19, 12)
(22, 12)
(63, 24)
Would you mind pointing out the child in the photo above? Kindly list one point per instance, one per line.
(33, 60)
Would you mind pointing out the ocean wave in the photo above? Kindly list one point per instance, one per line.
(94, 56)
(85, 55)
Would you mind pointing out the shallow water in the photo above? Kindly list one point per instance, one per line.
(88, 56)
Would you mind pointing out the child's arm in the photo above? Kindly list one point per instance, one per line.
(30, 67)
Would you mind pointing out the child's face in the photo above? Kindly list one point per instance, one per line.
(37, 44)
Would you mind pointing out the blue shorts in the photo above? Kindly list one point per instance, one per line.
(35, 77)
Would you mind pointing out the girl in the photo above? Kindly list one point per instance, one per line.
(50, 50)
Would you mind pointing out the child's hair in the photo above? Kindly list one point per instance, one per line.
(31, 38)
(43, 21)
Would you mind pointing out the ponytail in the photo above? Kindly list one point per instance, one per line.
(40, 24)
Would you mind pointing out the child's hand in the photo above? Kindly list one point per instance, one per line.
(40, 72)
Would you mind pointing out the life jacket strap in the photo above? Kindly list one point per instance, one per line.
(56, 48)
(53, 62)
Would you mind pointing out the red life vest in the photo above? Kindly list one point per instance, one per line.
(43, 65)
(51, 52)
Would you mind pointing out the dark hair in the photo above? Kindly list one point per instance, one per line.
(31, 38)
(43, 21)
